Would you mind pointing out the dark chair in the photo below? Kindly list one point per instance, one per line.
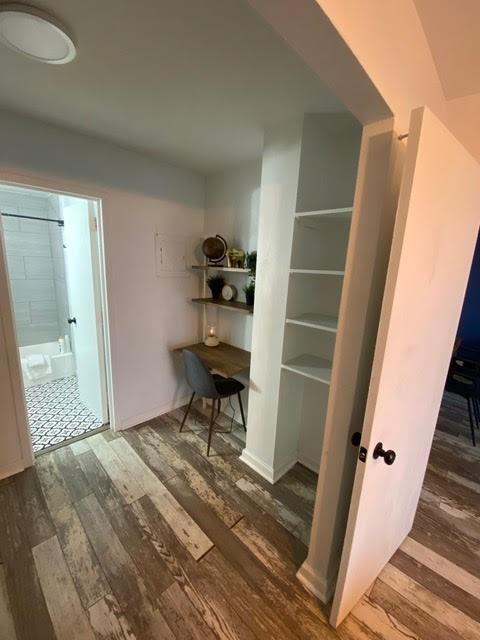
(206, 385)
(468, 388)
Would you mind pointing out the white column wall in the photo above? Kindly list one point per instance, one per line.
(280, 167)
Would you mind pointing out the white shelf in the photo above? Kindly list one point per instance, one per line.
(315, 321)
(318, 272)
(204, 267)
(311, 367)
(315, 218)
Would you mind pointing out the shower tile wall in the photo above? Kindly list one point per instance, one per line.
(30, 255)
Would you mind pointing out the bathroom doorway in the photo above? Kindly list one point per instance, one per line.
(53, 259)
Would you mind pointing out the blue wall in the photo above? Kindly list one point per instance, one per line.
(469, 327)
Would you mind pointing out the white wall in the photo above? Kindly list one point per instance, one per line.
(387, 38)
(147, 315)
(406, 76)
(231, 210)
(232, 200)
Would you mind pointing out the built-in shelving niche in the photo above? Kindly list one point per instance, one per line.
(326, 183)
(311, 325)
(320, 242)
(308, 352)
(314, 300)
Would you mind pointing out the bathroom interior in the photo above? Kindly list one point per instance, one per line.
(51, 250)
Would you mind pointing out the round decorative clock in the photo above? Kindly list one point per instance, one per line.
(229, 292)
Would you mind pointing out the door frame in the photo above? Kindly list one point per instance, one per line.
(44, 183)
(93, 208)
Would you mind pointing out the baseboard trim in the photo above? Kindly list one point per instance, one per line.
(17, 467)
(266, 471)
(252, 461)
(280, 471)
(153, 413)
(314, 583)
(309, 463)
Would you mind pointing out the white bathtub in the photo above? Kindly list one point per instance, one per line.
(62, 364)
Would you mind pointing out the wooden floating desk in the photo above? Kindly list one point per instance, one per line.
(225, 359)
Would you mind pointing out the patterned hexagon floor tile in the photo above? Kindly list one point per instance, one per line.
(56, 413)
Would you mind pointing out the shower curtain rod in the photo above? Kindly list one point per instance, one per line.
(17, 215)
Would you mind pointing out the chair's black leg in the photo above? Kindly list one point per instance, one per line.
(219, 407)
(210, 429)
(470, 415)
(476, 410)
(187, 410)
(241, 410)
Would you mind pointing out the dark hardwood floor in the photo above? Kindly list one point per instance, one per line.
(139, 535)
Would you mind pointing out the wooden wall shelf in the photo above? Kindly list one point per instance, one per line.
(205, 267)
(241, 307)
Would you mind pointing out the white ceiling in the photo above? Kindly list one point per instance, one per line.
(192, 81)
(452, 28)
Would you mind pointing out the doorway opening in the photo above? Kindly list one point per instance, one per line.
(52, 252)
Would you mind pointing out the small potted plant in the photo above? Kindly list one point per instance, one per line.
(251, 263)
(215, 284)
(249, 290)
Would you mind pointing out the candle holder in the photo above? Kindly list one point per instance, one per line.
(211, 340)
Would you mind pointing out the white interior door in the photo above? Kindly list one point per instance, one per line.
(81, 262)
(435, 232)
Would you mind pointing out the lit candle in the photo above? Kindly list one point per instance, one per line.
(211, 339)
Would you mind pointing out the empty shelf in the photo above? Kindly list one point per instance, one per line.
(319, 272)
(225, 304)
(315, 321)
(316, 218)
(311, 367)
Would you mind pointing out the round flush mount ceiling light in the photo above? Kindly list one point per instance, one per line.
(35, 34)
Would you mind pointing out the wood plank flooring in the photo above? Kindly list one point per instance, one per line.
(140, 536)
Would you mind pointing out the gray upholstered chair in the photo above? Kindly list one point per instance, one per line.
(206, 385)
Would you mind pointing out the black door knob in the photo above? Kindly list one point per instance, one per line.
(388, 456)
(72, 321)
(356, 438)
